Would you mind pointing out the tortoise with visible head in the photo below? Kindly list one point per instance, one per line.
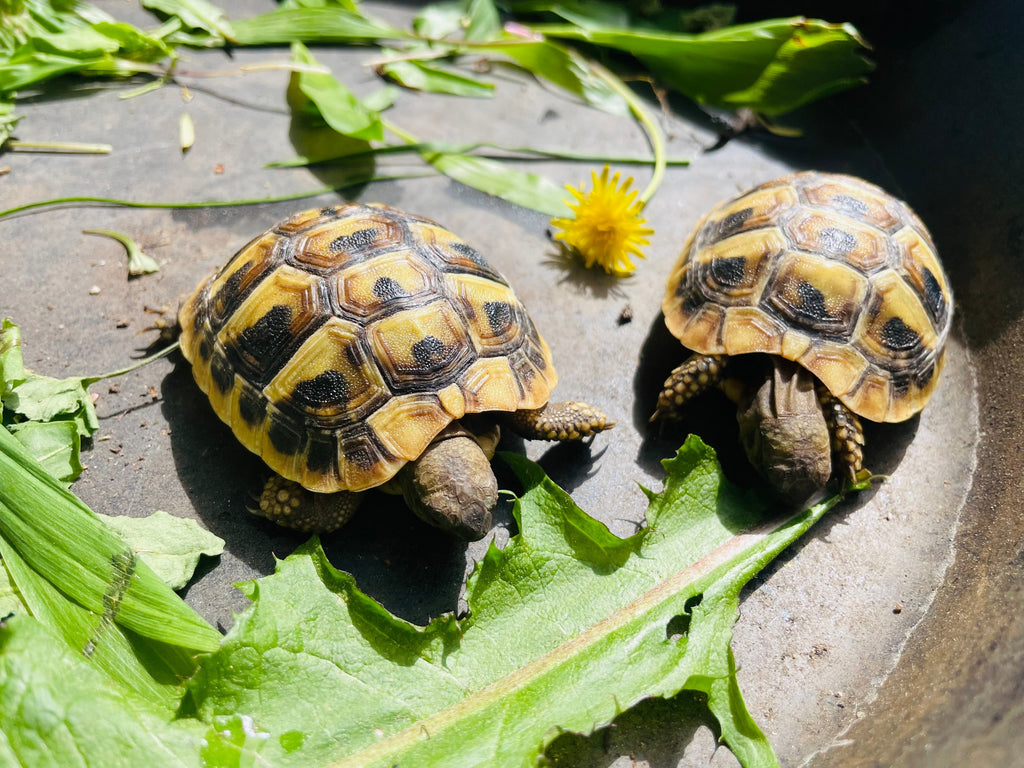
(358, 346)
(837, 285)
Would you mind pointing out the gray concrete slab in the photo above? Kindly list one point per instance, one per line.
(890, 635)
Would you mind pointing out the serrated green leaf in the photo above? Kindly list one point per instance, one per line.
(335, 103)
(170, 545)
(63, 541)
(54, 444)
(57, 710)
(568, 625)
(771, 67)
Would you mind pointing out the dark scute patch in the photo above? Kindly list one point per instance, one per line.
(837, 242)
(934, 299)
(692, 302)
(202, 314)
(901, 383)
(851, 205)
(899, 336)
(734, 222)
(357, 241)
(205, 348)
(252, 407)
(322, 455)
(729, 272)
(428, 350)
(812, 302)
(223, 374)
(363, 453)
(328, 212)
(535, 356)
(499, 315)
(387, 288)
(227, 297)
(324, 389)
(470, 253)
(264, 338)
(284, 439)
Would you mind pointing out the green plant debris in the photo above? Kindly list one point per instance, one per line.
(170, 545)
(139, 263)
(770, 67)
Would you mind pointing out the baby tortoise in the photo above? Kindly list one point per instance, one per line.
(838, 286)
(358, 346)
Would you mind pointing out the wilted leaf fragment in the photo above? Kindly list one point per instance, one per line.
(568, 626)
(186, 132)
(432, 78)
(170, 545)
(54, 444)
(139, 263)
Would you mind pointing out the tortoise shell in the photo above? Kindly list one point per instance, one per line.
(340, 342)
(825, 270)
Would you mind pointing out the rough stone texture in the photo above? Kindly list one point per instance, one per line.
(891, 635)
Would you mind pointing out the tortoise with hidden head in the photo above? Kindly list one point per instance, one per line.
(838, 285)
(358, 346)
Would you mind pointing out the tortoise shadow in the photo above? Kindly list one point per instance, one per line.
(412, 569)
(713, 417)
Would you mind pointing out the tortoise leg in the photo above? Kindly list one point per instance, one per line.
(566, 421)
(288, 504)
(690, 379)
(847, 435)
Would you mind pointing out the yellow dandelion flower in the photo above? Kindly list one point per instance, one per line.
(606, 228)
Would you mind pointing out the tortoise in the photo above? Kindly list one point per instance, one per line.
(359, 346)
(813, 300)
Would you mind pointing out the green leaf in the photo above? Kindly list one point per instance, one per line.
(57, 710)
(139, 263)
(43, 398)
(435, 78)
(483, 21)
(439, 20)
(12, 371)
(54, 444)
(170, 545)
(152, 672)
(532, 659)
(563, 67)
(10, 597)
(195, 14)
(771, 67)
(529, 190)
(335, 103)
(312, 25)
(7, 121)
(63, 541)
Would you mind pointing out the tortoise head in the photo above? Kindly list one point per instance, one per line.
(784, 432)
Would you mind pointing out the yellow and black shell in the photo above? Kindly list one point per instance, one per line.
(825, 270)
(340, 342)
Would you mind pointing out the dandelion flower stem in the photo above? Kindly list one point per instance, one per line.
(654, 135)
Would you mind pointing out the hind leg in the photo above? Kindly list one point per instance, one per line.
(558, 421)
(288, 504)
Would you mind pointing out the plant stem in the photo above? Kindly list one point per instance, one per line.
(654, 134)
(71, 147)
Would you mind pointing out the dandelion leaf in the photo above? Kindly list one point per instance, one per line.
(568, 626)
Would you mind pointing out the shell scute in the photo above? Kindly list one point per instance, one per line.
(826, 270)
(340, 342)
